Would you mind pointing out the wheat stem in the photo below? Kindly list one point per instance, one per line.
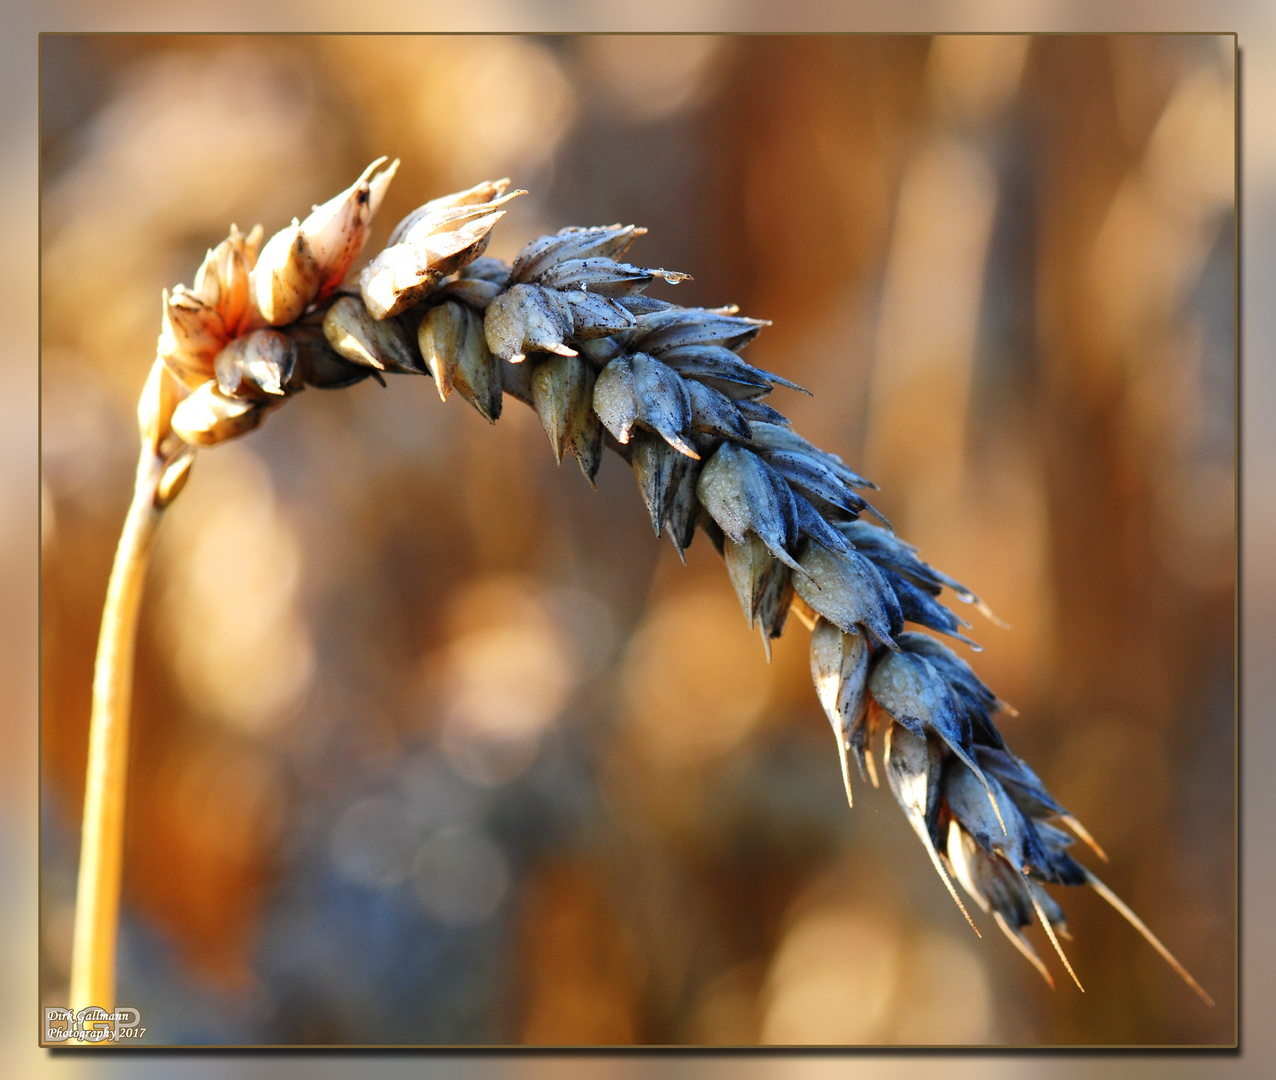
(102, 840)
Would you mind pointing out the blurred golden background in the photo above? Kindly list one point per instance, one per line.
(434, 744)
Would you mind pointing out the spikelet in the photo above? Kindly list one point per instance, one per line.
(639, 389)
(563, 393)
(287, 276)
(429, 244)
(222, 281)
(259, 364)
(192, 333)
(337, 231)
(208, 417)
(839, 669)
(355, 335)
(569, 286)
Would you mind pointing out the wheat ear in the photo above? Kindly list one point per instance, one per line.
(568, 330)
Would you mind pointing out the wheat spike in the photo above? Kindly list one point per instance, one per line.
(568, 329)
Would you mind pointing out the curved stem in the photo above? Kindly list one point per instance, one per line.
(97, 899)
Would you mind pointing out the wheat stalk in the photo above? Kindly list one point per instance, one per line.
(568, 330)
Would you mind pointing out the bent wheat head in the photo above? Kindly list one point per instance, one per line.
(568, 330)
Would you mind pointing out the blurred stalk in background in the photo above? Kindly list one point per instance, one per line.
(418, 753)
